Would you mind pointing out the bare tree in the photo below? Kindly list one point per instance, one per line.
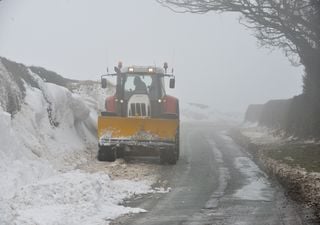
(287, 24)
(291, 25)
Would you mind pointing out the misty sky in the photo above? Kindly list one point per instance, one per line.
(216, 60)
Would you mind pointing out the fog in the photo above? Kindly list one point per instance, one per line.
(216, 60)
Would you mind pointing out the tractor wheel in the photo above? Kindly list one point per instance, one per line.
(172, 159)
(162, 158)
(177, 152)
(107, 154)
(177, 146)
(101, 155)
(120, 152)
(168, 156)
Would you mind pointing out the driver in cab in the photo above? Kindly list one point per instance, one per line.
(140, 86)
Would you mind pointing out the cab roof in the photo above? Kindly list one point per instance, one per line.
(143, 70)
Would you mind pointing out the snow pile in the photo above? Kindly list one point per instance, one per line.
(200, 112)
(18, 165)
(55, 124)
(74, 198)
(51, 133)
(10, 91)
(93, 94)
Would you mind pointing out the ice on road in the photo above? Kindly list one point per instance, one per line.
(257, 187)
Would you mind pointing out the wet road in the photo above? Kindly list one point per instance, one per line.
(215, 182)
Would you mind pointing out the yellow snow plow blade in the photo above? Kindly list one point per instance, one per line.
(134, 131)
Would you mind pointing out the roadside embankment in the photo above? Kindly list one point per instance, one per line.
(296, 164)
(48, 148)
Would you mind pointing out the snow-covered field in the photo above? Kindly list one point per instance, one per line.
(47, 156)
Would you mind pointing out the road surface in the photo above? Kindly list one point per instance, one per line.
(215, 182)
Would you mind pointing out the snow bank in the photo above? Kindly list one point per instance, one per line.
(74, 198)
(53, 125)
(41, 145)
(11, 94)
(18, 165)
(93, 94)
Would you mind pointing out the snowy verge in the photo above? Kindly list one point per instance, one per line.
(301, 185)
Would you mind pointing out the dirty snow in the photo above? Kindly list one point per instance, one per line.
(257, 187)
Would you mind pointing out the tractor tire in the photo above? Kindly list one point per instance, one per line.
(107, 154)
(177, 152)
(172, 159)
(177, 146)
(120, 152)
(168, 156)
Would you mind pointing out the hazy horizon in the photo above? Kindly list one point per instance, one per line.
(216, 60)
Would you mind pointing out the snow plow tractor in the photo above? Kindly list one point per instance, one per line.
(140, 118)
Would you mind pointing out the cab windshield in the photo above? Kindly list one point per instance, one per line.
(142, 84)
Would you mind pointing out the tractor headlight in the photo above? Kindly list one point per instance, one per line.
(121, 101)
(159, 100)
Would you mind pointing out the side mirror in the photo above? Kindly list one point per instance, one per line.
(172, 83)
(103, 82)
(117, 70)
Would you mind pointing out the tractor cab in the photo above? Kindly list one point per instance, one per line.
(140, 91)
